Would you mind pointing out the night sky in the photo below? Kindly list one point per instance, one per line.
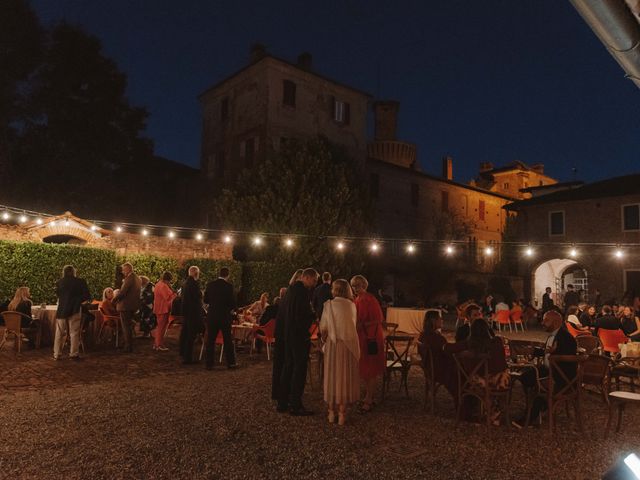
(483, 81)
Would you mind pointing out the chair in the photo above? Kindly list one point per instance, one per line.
(611, 339)
(13, 326)
(390, 327)
(620, 399)
(474, 382)
(173, 320)
(503, 317)
(219, 341)
(627, 367)
(570, 392)
(430, 383)
(589, 344)
(596, 372)
(110, 321)
(516, 318)
(575, 333)
(267, 336)
(397, 348)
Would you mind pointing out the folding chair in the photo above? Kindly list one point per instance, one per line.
(568, 390)
(13, 327)
(397, 348)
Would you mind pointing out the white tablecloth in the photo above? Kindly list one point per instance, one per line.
(47, 319)
(409, 320)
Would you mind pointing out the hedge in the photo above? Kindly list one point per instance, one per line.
(151, 266)
(259, 277)
(39, 265)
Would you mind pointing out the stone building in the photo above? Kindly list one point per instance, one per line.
(67, 228)
(513, 180)
(272, 100)
(588, 236)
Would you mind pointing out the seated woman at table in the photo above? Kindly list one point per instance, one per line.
(106, 305)
(432, 341)
(588, 316)
(572, 318)
(22, 303)
(630, 324)
(258, 307)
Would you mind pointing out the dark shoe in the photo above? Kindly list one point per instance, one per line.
(300, 412)
(282, 409)
(233, 366)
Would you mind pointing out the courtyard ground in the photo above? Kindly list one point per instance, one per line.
(144, 415)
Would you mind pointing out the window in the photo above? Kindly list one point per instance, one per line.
(224, 109)
(288, 93)
(415, 194)
(374, 185)
(556, 223)
(631, 217)
(444, 201)
(481, 208)
(249, 151)
(341, 111)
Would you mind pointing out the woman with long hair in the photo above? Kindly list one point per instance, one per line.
(106, 305)
(341, 351)
(22, 303)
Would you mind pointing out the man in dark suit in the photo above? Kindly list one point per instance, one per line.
(571, 298)
(128, 303)
(321, 294)
(547, 301)
(298, 317)
(191, 314)
(72, 292)
(221, 300)
(559, 342)
(606, 321)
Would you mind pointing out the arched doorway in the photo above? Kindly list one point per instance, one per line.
(70, 239)
(557, 273)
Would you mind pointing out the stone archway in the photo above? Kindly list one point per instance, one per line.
(557, 273)
(66, 229)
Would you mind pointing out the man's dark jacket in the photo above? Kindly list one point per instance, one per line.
(221, 300)
(298, 314)
(71, 292)
(191, 299)
(321, 294)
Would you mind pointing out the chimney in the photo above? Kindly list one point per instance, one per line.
(257, 52)
(385, 114)
(305, 60)
(486, 167)
(538, 168)
(447, 167)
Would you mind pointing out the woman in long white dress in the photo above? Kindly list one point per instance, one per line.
(341, 351)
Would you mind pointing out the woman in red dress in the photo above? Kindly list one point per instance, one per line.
(369, 326)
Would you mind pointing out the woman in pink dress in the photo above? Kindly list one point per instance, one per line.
(369, 326)
(163, 295)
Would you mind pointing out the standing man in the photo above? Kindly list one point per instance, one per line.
(72, 292)
(127, 303)
(571, 298)
(321, 294)
(221, 300)
(191, 314)
(298, 318)
(547, 301)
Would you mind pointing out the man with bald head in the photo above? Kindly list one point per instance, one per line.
(559, 342)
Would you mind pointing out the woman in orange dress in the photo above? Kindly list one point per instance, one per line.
(369, 326)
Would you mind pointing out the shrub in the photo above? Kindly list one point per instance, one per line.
(259, 277)
(210, 269)
(39, 265)
(151, 266)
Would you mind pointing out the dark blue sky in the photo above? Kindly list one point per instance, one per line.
(495, 80)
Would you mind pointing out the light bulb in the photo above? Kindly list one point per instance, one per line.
(52, 223)
(198, 236)
(6, 216)
(119, 229)
(22, 219)
(340, 246)
(257, 241)
(411, 248)
(39, 221)
(374, 247)
(288, 242)
(573, 253)
(171, 234)
(448, 250)
(145, 232)
(488, 251)
(619, 253)
(227, 239)
(67, 223)
(529, 252)
(94, 228)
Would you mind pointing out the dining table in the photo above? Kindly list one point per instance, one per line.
(46, 316)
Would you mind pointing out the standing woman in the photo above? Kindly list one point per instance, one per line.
(369, 325)
(341, 351)
(162, 300)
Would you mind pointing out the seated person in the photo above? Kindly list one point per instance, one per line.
(472, 313)
(517, 306)
(607, 320)
(106, 305)
(630, 324)
(588, 316)
(432, 340)
(22, 303)
(501, 305)
(270, 313)
(258, 307)
(572, 318)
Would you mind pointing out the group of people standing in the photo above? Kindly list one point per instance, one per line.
(351, 330)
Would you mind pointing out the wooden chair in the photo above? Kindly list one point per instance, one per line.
(503, 317)
(390, 327)
(109, 321)
(627, 367)
(516, 318)
(430, 383)
(13, 327)
(620, 399)
(589, 344)
(474, 381)
(267, 336)
(596, 372)
(611, 339)
(173, 320)
(570, 392)
(397, 348)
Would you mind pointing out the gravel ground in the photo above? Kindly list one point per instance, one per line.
(146, 416)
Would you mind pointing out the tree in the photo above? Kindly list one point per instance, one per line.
(82, 138)
(309, 189)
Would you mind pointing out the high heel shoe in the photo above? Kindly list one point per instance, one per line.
(331, 416)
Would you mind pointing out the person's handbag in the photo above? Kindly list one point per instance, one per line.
(372, 343)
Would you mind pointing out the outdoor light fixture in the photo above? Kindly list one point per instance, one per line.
(488, 251)
(619, 253)
(257, 241)
(374, 247)
(22, 219)
(119, 229)
(39, 221)
(94, 228)
(288, 243)
(52, 223)
(145, 232)
(573, 253)
(529, 252)
(227, 239)
(198, 236)
(448, 250)
(411, 248)
(340, 246)
(6, 216)
(171, 234)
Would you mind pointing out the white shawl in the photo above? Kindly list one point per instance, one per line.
(339, 323)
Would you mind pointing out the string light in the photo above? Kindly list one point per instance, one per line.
(529, 252)
(619, 253)
(38, 221)
(22, 219)
(145, 232)
(288, 243)
(449, 250)
(119, 229)
(94, 228)
(411, 248)
(227, 239)
(488, 251)
(573, 253)
(340, 246)
(171, 234)
(257, 240)
(6, 216)
(374, 247)
(199, 236)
